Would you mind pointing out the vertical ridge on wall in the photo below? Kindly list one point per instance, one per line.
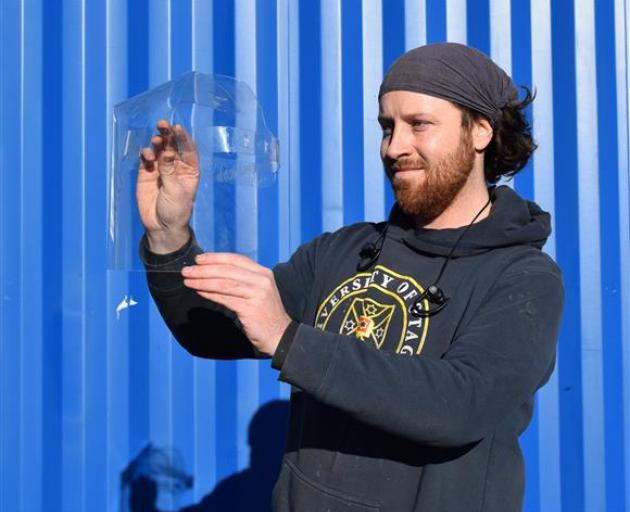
(117, 360)
(22, 324)
(95, 233)
(83, 499)
(226, 455)
(436, 21)
(351, 115)
(31, 278)
(415, 23)
(201, 36)
(568, 256)
(590, 257)
(245, 57)
(622, 68)
(162, 364)
(132, 284)
(310, 101)
(11, 404)
(622, 40)
(203, 441)
(501, 43)
(72, 262)
(179, 30)
(332, 142)
(501, 34)
(549, 466)
(204, 375)
(523, 183)
(288, 86)
(521, 48)
(288, 75)
(478, 29)
(372, 45)
(456, 21)
(394, 40)
(163, 351)
(137, 413)
(52, 241)
(611, 315)
(269, 231)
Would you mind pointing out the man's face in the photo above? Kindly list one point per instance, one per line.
(426, 152)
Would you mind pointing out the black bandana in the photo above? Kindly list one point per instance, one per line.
(453, 72)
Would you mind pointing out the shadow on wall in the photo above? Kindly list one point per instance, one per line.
(158, 473)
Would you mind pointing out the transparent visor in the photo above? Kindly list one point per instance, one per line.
(225, 143)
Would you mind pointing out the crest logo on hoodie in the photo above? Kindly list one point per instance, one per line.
(374, 308)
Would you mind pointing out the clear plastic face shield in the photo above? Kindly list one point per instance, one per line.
(237, 154)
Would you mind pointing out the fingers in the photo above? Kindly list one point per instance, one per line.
(233, 303)
(220, 286)
(150, 156)
(166, 162)
(165, 148)
(166, 134)
(171, 144)
(229, 258)
(176, 138)
(229, 279)
(186, 145)
(147, 161)
(227, 271)
(157, 143)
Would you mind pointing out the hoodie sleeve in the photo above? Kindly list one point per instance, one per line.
(209, 330)
(505, 353)
(204, 328)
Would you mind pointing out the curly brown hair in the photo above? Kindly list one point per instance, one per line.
(512, 143)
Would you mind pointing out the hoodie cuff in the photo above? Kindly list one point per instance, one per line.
(163, 270)
(308, 362)
(284, 345)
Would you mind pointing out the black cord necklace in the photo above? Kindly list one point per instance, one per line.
(433, 293)
(372, 250)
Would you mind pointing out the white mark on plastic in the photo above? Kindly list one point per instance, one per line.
(124, 304)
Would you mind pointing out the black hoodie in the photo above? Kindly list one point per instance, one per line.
(391, 411)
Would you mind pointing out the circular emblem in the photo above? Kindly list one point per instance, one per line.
(374, 307)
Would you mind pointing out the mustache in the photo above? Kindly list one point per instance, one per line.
(405, 163)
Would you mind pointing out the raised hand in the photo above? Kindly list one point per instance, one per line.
(168, 178)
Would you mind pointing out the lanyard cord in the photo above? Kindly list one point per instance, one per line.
(370, 252)
(457, 242)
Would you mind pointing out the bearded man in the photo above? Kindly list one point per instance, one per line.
(413, 346)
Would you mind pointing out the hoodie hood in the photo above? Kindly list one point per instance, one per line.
(512, 221)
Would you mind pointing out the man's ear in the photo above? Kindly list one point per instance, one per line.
(482, 133)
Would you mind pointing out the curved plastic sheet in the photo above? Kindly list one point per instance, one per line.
(238, 155)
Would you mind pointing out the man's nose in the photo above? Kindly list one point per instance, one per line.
(398, 144)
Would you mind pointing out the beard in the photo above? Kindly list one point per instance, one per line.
(426, 199)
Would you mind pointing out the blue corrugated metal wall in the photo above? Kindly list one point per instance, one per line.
(83, 390)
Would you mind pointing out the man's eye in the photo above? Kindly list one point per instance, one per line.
(419, 123)
(387, 131)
